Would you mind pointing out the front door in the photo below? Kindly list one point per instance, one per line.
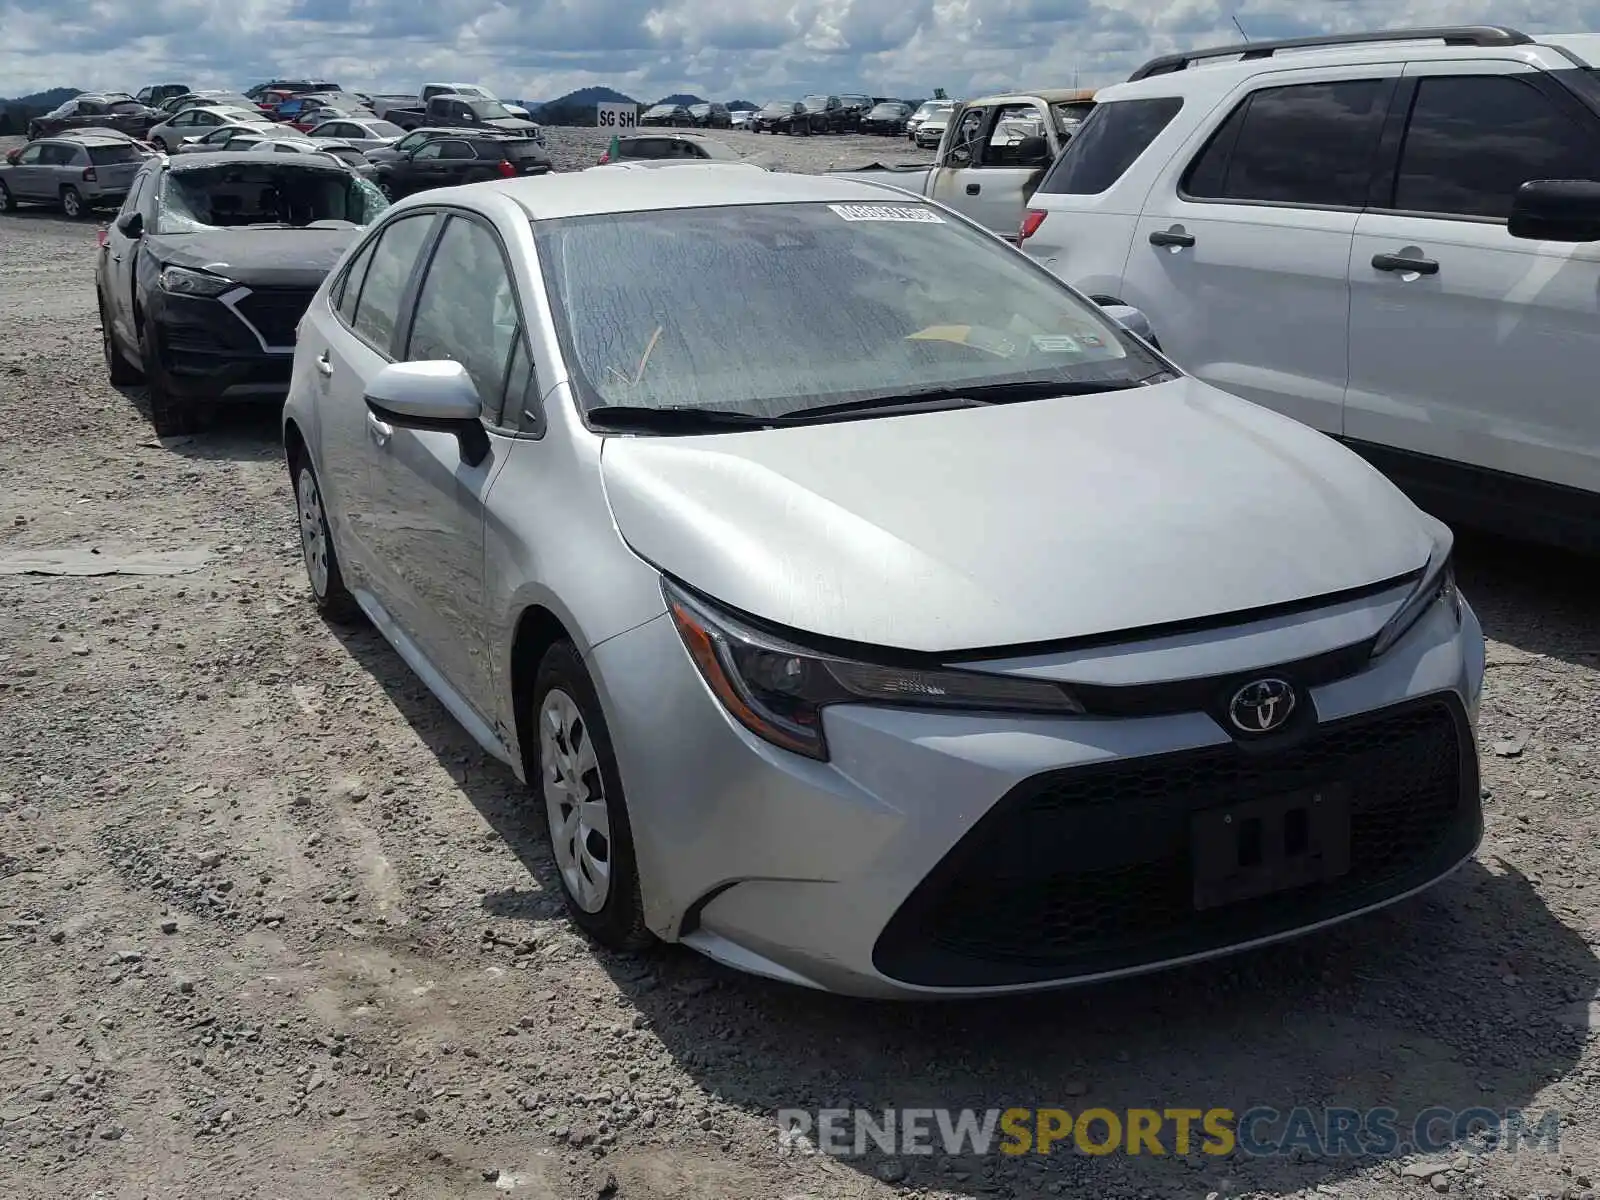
(1485, 353)
(430, 497)
(991, 186)
(25, 179)
(1241, 256)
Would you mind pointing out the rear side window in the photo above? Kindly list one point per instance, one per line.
(1310, 143)
(528, 149)
(1474, 140)
(378, 309)
(105, 155)
(1109, 141)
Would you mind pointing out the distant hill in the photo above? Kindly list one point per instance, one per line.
(683, 98)
(15, 114)
(577, 108)
(742, 106)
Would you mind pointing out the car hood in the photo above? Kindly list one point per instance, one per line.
(257, 257)
(982, 528)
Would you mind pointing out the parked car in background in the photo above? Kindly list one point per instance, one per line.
(405, 145)
(471, 91)
(115, 135)
(922, 114)
(670, 146)
(319, 110)
(462, 158)
(116, 110)
(350, 156)
(855, 107)
(464, 112)
(220, 137)
(1419, 271)
(825, 114)
(73, 173)
(667, 114)
(743, 118)
(209, 267)
(193, 123)
(292, 87)
(364, 134)
(988, 163)
(212, 99)
(572, 503)
(153, 95)
(890, 118)
(711, 115)
(782, 116)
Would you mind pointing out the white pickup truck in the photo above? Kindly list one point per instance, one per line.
(992, 156)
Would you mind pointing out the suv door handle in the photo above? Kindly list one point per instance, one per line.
(974, 188)
(1170, 237)
(1404, 262)
(323, 364)
(379, 431)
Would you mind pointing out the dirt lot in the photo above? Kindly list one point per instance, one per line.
(271, 926)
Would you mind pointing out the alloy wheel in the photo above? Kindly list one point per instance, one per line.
(313, 530)
(575, 801)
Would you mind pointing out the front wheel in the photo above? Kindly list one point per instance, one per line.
(316, 546)
(160, 144)
(171, 415)
(121, 372)
(587, 816)
(8, 202)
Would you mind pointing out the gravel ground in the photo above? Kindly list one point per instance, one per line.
(272, 926)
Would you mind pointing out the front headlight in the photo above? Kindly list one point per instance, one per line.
(183, 282)
(778, 690)
(1437, 586)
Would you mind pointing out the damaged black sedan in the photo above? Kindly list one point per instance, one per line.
(204, 275)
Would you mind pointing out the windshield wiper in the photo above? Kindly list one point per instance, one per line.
(681, 418)
(967, 397)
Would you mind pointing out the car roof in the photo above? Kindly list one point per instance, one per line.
(581, 193)
(218, 158)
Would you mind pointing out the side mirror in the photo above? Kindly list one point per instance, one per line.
(1556, 210)
(1131, 319)
(131, 224)
(1032, 152)
(13, 155)
(435, 395)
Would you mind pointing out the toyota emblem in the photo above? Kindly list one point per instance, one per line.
(1262, 706)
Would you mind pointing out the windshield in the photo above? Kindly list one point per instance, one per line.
(855, 300)
(886, 110)
(778, 107)
(488, 110)
(816, 103)
(384, 129)
(275, 194)
(662, 110)
(126, 106)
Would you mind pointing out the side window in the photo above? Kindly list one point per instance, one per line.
(521, 409)
(1012, 123)
(30, 156)
(131, 204)
(1473, 140)
(58, 156)
(378, 307)
(1109, 141)
(455, 150)
(467, 310)
(1309, 143)
(969, 131)
(348, 290)
(429, 150)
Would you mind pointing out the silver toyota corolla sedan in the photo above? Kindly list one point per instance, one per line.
(944, 639)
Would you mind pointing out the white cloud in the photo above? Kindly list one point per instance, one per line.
(757, 49)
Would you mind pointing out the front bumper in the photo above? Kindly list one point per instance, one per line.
(234, 347)
(946, 854)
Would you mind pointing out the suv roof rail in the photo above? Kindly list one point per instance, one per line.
(1451, 35)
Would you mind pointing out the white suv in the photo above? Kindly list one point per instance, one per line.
(1344, 229)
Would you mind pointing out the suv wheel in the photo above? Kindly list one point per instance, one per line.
(8, 202)
(72, 202)
(585, 812)
(316, 545)
(160, 143)
(170, 414)
(121, 371)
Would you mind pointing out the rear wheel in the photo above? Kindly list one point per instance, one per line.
(8, 202)
(160, 144)
(72, 202)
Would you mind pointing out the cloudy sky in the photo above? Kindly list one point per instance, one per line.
(750, 49)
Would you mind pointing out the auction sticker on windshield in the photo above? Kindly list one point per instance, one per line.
(887, 212)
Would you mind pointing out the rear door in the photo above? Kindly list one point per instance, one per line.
(1485, 356)
(1003, 167)
(1241, 256)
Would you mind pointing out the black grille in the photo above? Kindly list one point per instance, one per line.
(1088, 870)
(275, 312)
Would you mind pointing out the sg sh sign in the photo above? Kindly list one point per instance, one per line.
(617, 116)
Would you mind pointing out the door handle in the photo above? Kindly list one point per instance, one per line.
(323, 364)
(379, 431)
(1171, 237)
(974, 188)
(1405, 262)
(116, 258)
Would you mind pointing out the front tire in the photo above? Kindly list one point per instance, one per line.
(160, 144)
(585, 812)
(8, 202)
(171, 415)
(328, 589)
(121, 372)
